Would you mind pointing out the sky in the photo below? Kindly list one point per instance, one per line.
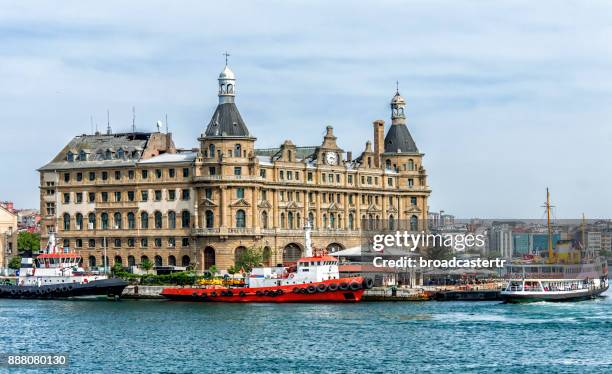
(503, 98)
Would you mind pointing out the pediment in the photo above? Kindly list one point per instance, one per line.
(292, 205)
(373, 208)
(413, 209)
(240, 203)
(264, 204)
(208, 203)
(333, 207)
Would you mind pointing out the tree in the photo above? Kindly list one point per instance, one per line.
(146, 265)
(213, 270)
(248, 259)
(438, 252)
(15, 263)
(28, 241)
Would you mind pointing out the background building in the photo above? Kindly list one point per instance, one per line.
(146, 199)
(8, 234)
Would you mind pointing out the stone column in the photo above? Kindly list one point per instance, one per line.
(222, 206)
(255, 212)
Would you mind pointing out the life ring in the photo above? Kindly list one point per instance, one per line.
(194, 294)
(343, 286)
(259, 293)
(213, 294)
(203, 294)
(280, 292)
(332, 287)
(291, 276)
(322, 287)
(229, 293)
(303, 290)
(296, 290)
(355, 286)
(311, 289)
(368, 283)
(241, 294)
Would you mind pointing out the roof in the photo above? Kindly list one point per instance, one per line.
(399, 140)
(171, 158)
(100, 150)
(269, 154)
(227, 121)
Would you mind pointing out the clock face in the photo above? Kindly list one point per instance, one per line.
(331, 158)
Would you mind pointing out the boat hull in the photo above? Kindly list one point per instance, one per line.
(325, 291)
(94, 289)
(531, 297)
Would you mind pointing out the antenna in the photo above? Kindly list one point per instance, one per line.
(396, 86)
(91, 123)
(133, 119)
(108, 128)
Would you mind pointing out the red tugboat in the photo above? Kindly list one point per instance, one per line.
(315, 278)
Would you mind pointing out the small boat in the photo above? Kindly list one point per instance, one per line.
(314, 278)
(56, 274)
(566, 276)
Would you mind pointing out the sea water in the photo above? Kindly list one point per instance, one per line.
(184, 337)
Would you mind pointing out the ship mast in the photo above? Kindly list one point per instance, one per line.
(550, 244)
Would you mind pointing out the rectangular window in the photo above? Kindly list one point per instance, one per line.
(390, 181)
(131, 174)
(330, 178)
(297, 175)
(262, 173)
(185, 194)
(185, 172)
(104, 196)
(185, 242)
(131, 242)
(79, 177)
(171, 195)
(92, 176)
(66, 198)
(350, 179)
(158, 242)
(209, 193)
(264, 195)
(66, 177)
(282, 196)
(281, 174)
(240, 193)
(369, 180)
(289, 175)
(145, 174)
(376, 181)
(117, 175)
(144, 195)
(413, 201)
(130, 195)
(117, 196)
(144, 242)
(105, 175)
(362, 179)
(92, 243)
(337, 178)
(237, 170)
(92, 197)
(410, 182)
(158, 195)
(117, 243)
(79, 197)
(309, 176)
(158, 173)
(171, 173)
(50, 209)
(212, 170)
(171, 242)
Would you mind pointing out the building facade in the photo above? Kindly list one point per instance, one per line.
(8, 234)
(136, 197)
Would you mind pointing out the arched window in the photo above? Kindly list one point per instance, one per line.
(117, 219)
(239, 253)
(210, 219)
(185, 261)
(158, 220)
(324, 221)
(267, 256)
(391, 222)
(264, 219)
(240, 218)
(158, 261)
(171, 260)
(291, 253)
(290, 220)
(143, 259)
(282, 220)
(79, 221)
(230, 88)
(144, 220)
(92, 221)
(104, 219)
(298, 220)
(92, 261)
(211, 150)
(388, 164)
(185, 219)
(66, 221)
(131, 221)
(131, 261)
(332, 221)
(410, 164)
(311, 219)
(171, 220)
(237, 150)
(351, 222)
(119, 260)
(209, 257)
(414, 223)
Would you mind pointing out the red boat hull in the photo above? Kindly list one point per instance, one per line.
(323, 292)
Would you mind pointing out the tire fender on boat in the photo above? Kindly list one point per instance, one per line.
(332, 287)
(322, 287)
(343, 286)
(311, 289)
(355, 286)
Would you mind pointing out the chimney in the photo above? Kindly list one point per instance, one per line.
(349, 156)
(379, 139)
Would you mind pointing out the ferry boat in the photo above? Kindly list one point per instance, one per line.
(55, 274)
(567, 275)
(314, 278)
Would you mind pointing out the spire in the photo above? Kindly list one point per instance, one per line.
(108, 128)
(398, 139)
(227, 84)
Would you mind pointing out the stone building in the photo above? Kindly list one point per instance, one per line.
(8, 234)
(146, 199)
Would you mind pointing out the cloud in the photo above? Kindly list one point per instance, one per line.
(505, 98)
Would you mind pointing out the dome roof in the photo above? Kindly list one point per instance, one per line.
(398, 99)
(227, 73)
(399, 140)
